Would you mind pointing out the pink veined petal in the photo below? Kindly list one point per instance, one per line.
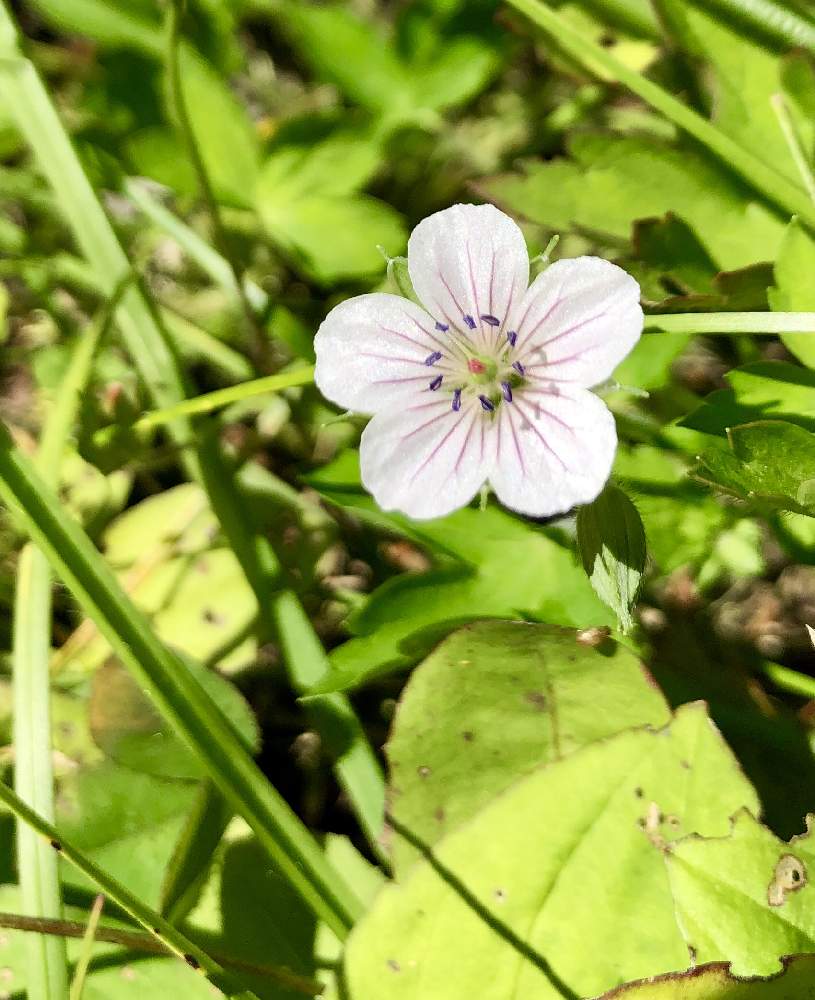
(578, 321)
(552, 452)
(371, 352)
(426, 460)
(469, 261)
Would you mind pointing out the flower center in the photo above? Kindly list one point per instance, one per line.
(487, 374)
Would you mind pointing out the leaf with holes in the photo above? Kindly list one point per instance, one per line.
(503, 906)
(449, 752)
(746, 898)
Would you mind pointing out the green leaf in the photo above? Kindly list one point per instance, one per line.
(341, 164)
(612, 180)
(332, 237)
(220, 124)
(611, 542)
(344, 49)
(407, 615)
(128, 23)
(127, 727)
(714, 982)
(746, 898)
(759, 390)
(449, 751)
(126, 822)
(770, 463)
(793, 291)
(505, 904)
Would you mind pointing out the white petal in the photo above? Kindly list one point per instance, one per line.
(552, 450)
(371, 352)
(469, 261)
(426, 460)
(578, 320)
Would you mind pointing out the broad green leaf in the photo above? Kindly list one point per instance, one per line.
(793, 291)
(747, 897)
(770, 463)
(128, 728)
(126, 822)
(331, 237)
(570, 855)
(223, 130)
(611, 543)
(339, 165)
(450, 749)
(613, 180)
(759, 390)
(407, 615)
(715, 982)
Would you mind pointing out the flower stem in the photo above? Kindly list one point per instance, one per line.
(732, 322)
(783, 193)
(788, 680)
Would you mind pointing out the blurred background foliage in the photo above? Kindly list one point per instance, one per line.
(328, 132)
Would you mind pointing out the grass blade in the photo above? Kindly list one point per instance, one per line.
(784, 194)
(81, 971)
(179, 697)
(47, 961)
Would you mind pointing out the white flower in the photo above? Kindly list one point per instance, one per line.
(489, 383)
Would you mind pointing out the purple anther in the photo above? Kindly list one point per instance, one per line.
(506, 388)
(486, 404)
(457, 400)
(469, 322)
(519, 368)
(436, 382)
(491, 320)
(512, 336)
(431, 359)
(443, 327)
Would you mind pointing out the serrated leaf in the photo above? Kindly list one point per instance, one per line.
(567, 856)
(611, 542)
(746, 898)
(770, 463)
(449, 750)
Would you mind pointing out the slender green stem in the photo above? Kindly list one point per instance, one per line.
(789, 680)
(780, 24)
(33, 774)
(782, 112)
(151, 945)
(211, 401)
(783, 193)
(733, 322)
(81, 971)
(174, 690)
(175, 11)
(153, 922)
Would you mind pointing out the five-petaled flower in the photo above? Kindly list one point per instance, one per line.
(490, 382)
